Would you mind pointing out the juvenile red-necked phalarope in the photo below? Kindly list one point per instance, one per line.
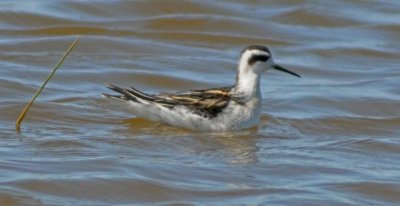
(217, 109)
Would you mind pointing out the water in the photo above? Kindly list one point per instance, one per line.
(329, 138)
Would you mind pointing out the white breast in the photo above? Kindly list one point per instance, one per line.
(243, 116)
(234, 117)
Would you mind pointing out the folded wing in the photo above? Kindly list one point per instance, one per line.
(206, 103)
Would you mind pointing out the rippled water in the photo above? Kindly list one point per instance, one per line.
(330, 138)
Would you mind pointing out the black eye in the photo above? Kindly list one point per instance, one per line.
(253, 59)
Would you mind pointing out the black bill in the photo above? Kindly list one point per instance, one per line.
(277, 67)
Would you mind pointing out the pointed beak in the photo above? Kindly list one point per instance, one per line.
(280, 68)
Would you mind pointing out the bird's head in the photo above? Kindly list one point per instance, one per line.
(257, 59)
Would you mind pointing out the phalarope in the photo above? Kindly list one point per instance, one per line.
(218, 109)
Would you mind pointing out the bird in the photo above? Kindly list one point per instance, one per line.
(230, 108)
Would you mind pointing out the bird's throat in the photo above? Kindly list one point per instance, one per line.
(248, 83)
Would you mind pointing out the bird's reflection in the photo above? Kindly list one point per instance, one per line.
(238, 147)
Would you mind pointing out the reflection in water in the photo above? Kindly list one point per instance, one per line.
(233, 147)
(239, 148)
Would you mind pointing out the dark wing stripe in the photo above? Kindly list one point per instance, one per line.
(115, 88)
(117, 97)
(126, 95)
(150, 97)
(139, 94)
(134, 94)
(206, 103)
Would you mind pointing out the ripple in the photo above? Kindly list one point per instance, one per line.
(128, 190)
(315, 16)
(329, 138)
(385, 191)
(63, 144)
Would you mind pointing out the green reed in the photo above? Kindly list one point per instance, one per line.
(23, 113)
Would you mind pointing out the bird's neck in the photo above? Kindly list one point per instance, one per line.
(248, 83)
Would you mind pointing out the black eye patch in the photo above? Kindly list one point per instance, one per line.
(255, 58)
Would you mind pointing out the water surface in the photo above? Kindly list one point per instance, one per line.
(329, 138)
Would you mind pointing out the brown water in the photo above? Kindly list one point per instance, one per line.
(330, 138)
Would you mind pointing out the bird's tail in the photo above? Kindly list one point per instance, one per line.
(129, 94)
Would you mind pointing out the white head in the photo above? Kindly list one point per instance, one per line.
(254, 60)
(257, 59)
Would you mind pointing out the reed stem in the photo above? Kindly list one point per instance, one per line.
(23, 113)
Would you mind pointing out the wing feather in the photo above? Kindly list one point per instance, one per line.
(206, 103)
